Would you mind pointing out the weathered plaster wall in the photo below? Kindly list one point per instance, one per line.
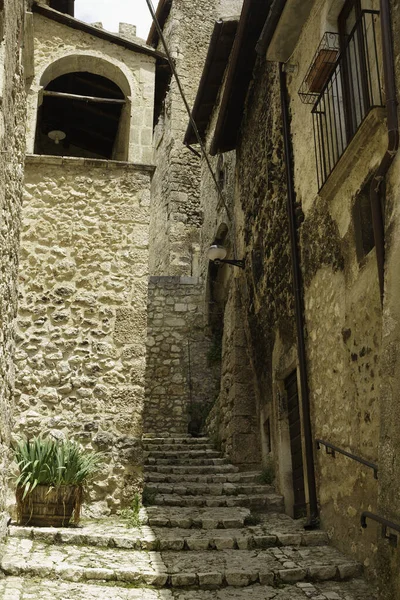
(82, 311)
(180, 380)
(12, 148)
(176, 215)
(59, 49)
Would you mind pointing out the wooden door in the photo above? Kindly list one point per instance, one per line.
(299, 507)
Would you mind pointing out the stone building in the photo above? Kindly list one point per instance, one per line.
(125, 326)
(83, 272)
(301, 126)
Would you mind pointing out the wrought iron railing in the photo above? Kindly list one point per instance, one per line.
(391, 537)
(331, 449)
(352, 89)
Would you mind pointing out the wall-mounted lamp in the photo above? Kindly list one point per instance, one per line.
(217, 254)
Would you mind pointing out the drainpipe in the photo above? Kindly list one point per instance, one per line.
(378, 180)
(299, 309)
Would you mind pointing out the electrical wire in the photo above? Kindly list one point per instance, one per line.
(189, 112)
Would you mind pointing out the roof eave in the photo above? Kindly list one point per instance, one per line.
(113, 38)
(218, 143)
(212, 55)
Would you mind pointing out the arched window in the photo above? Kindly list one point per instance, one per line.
(81, 115)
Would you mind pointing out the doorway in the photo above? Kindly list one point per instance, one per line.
(299, 497)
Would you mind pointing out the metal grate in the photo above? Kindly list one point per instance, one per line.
(322, 65)
(352, 89)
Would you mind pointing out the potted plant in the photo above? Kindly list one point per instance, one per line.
(50, 482)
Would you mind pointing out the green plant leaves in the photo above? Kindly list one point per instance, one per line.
(48, 461)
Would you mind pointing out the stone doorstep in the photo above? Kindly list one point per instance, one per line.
(16, 588)
(198, 569)
(219, 478)
(260, 501)
(147, 538)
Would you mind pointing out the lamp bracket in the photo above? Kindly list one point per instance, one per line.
(233, 262)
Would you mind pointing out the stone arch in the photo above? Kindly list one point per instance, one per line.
(92, 63)
(95, 63)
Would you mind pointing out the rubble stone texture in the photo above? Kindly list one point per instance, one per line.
(180, 382)
(176, 216)
(81, 326)
(197, 560)
(12, 149)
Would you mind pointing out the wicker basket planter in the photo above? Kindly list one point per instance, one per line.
(49, 506)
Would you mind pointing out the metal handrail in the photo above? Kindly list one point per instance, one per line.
(333, 449)
(391, 537)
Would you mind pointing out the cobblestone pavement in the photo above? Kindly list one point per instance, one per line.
(183, 552)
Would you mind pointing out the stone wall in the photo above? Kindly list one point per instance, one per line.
(342, 313)
(82, 311)
(181, 380)
(12, 148)
(176, 215)
(259, 305)
(389, 450)
(343, 318)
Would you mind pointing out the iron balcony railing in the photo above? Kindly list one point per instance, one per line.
(351, 91)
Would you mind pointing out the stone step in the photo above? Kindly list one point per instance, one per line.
(79, 563)
(194, 469)
(176, 447)
(199, 518)
(257, 501)
(203, 479)
(16, 588)
(237, 568)
(357, 589)
(214, 489)
(186, 455)
(185, 460)
(274, 530)
(174, 439)
(273, 566)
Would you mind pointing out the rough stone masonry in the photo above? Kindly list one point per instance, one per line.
(82, 311)
(12, 148)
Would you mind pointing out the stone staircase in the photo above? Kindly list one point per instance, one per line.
(213, 533)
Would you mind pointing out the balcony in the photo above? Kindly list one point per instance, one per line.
(351, 90)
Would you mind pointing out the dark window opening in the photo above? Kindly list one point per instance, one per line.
(267, 435)
(80, 116)
(221, 172)
(1, 20)
(362, 218)
(64, 6)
